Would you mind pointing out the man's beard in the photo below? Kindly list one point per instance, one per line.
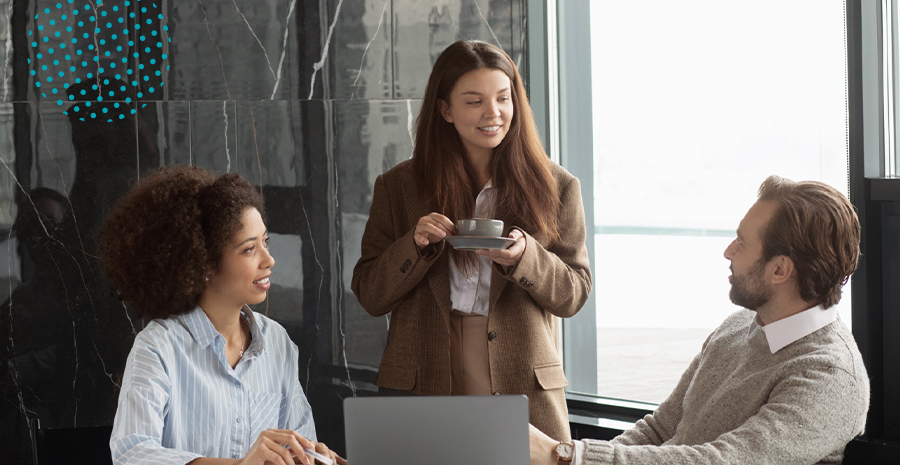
(748, 290)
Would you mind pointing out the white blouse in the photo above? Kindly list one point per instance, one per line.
(469, 292)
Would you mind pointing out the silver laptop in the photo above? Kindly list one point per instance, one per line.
(437, 430)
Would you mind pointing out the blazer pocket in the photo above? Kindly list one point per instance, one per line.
(397, 377)
(551, 376)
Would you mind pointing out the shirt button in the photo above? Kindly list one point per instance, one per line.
(238, 419)
(492, 335)
(236, 455)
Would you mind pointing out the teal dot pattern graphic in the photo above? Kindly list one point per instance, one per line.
(100, 58)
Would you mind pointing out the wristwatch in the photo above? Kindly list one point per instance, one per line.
(564, 453)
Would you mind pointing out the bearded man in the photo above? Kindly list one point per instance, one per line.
(781, 381)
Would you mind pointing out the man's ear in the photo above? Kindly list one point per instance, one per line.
(445, 110)
(781, 269)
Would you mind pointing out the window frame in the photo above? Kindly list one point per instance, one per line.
(563, 30)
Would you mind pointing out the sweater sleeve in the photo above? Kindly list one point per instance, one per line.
(557, 277)
(389, 267)
(809, 415)
(659, 426)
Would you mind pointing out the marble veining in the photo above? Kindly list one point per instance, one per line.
(228, 105)
(488, 25)
(362, 61)
(227, 150)
(255, 37)
(315, 252)
(318, 65)
(283, 48)
(8, 43)
(219, 51)
(410, 124)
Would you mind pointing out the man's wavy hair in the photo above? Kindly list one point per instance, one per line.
(817, 227)
(167, 235)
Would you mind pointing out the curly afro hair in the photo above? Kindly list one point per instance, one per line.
(168, 233)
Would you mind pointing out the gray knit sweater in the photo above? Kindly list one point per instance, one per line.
(738, 403)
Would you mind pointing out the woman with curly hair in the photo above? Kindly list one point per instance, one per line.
(484, 322)
(208, 380)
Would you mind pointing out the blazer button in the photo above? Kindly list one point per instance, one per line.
(523, 281)
(496, 393)
(492, 335)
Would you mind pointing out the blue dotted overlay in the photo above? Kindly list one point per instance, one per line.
(100, 57)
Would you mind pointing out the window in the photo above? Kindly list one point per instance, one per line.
(694, 104)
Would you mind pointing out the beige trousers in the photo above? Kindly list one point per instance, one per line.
(470, 367)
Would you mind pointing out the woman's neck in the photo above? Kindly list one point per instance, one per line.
(225, 319)
(482, 163)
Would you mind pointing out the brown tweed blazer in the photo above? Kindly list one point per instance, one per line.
(392, 276)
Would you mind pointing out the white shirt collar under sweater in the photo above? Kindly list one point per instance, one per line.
(781, 333)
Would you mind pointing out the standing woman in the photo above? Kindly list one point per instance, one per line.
(485, 322)
(208, 380)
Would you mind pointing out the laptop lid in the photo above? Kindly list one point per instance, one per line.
(437, 430)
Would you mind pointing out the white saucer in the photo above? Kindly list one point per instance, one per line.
(470, 243)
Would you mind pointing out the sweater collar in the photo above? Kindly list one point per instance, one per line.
(781, 333)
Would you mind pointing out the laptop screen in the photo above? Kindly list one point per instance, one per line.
(437, 430)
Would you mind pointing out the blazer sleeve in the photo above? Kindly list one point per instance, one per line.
(389, 266)
(558, 278)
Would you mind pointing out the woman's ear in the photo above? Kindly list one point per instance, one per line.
(444, 107)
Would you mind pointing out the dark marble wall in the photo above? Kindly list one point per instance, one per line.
(310, 100)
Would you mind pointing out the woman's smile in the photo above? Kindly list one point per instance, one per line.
(263, 283)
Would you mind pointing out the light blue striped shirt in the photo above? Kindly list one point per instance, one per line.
(180, 399)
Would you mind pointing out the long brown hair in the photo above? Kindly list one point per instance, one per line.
(524, 187)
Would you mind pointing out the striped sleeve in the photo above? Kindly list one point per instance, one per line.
(143, 403)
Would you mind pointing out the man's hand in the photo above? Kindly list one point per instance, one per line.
(542, 447)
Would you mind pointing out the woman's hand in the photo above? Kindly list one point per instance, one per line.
(542, 447)
(285, 447)
(323, 449)
(432, 228)
(510, 256)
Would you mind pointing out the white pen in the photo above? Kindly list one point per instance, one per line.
(318, 456)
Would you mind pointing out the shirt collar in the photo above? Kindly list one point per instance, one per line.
(781, 333)
(198, 324)
(257, 344)
(203, 331)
